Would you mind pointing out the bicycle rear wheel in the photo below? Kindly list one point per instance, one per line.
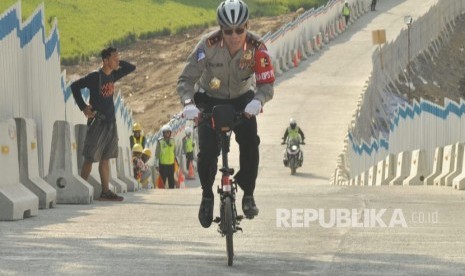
(228, 229)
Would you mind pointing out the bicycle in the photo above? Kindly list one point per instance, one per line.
(223, 119)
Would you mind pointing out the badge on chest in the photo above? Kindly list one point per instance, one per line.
(246, 60)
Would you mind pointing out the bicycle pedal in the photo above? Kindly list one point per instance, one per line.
(217, 220)
(240, 217)
(238, 228)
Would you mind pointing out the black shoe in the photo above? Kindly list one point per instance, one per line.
(248, 206)
(110, 196)
(206, 212)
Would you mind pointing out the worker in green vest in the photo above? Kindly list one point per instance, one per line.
(165, 156)
(293, 134)
(346, 12)
(188, 146)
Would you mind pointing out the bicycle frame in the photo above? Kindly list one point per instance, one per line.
(223, 119)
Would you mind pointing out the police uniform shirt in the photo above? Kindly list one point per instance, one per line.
(212, 68)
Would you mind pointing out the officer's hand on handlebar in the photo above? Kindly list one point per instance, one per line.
(253, 108)
(190, 112)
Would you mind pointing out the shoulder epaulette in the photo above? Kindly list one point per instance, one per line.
(214, 38)
(255, 41)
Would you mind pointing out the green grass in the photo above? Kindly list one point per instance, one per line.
(86, 26)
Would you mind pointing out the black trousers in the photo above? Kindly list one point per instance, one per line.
(209, 147)
(167, 172)
(189, 158)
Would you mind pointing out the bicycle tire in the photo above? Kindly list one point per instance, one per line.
(228, 229)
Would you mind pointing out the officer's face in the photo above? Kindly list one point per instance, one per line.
(235, 38)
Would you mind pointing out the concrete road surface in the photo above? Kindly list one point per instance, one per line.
(305, 226)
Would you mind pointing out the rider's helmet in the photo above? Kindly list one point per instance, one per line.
(137, 148)
(136, 127)
(232, 13)
(188, 130)
(292, 123)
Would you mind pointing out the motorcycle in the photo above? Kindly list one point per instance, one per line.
(293, 156)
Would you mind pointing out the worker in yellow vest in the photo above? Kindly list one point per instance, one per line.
(165, 156)
(137, 137)
(346, 12)
(188, 146)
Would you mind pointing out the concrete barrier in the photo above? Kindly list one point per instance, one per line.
(352, 182)
(447, 165)
(379, 173)
(372, 175)
(120, 186)
(122, 171)
(402, 168)
(418, 169)
(459, 181)
(16, 201)
(63, 172)
(437, 166)
(389, 170)
(364, 179)
(458, 160)
(309, 48)
(29, 164)
(94, 176)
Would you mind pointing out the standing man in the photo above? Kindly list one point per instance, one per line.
(228, 66)
(101, 142)
(165, 156)
(137, 137)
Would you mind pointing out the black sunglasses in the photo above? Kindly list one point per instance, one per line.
(237, 31)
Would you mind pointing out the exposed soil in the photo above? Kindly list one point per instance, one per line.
(151, 90)
(438, 77)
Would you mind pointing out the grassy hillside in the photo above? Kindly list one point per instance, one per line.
(88, 25)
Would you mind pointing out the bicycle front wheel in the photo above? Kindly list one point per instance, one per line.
(228, 229)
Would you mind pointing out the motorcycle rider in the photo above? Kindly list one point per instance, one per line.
(293, 132)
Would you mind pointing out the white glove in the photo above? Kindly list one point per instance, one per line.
(254, 107)
(190, 112)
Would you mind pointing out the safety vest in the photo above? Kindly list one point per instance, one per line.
(138, 141)
(166, 152)
(188, 144)
(345, 11)
(293, 133)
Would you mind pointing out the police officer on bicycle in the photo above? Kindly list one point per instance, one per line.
(228, 66)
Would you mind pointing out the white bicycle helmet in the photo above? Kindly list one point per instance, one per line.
(232, 13)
